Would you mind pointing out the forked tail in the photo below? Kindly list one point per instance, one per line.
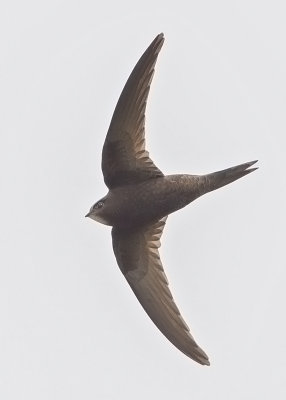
(218, 179)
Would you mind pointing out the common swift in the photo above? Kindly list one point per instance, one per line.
(141, 197)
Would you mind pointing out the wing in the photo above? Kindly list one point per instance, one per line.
(124, 158)
(138, 258)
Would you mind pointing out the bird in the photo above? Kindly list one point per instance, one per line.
(139, 200)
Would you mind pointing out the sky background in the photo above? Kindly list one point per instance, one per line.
(70, 327)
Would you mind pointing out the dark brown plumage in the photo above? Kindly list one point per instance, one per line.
(139, 200)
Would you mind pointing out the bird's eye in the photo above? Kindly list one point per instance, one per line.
(99, 204)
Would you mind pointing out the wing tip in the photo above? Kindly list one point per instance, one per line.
(158, 41)
(195, 352)
(200, 357)
(205, 362)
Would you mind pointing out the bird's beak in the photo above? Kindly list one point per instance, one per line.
(88, 214)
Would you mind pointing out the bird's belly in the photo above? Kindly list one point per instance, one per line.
(151, 200)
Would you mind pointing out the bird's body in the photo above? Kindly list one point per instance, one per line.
(148, 201)
(140, 198)
(133, 205)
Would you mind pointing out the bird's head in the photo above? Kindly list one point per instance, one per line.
(98, 212)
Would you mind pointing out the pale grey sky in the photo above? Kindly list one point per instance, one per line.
(70, 326)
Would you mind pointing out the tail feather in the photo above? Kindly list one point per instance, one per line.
(218, 179)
